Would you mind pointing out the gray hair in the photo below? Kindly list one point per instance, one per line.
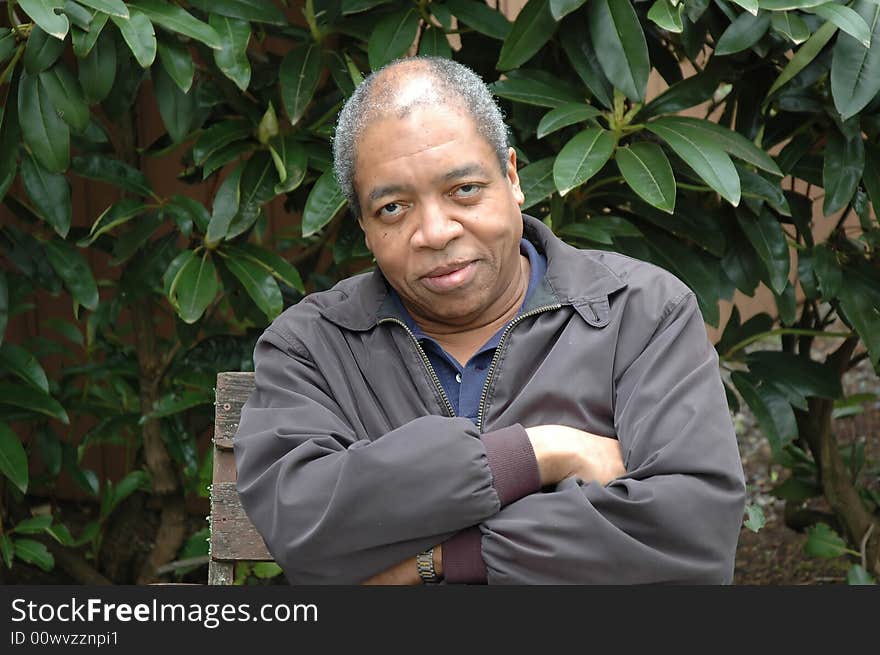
(377, 96)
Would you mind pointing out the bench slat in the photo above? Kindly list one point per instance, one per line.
(233, 389)
(233, 536)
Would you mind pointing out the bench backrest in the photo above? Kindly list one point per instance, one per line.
(233, 536)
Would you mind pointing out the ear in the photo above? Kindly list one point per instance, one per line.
(513, 178)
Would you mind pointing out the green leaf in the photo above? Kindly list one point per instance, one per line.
(294, 160)
(18, 361)
(178, 109)
(667, 16)
(768, 239)
(9, 143)
(66, 96)
(847, 20)
(13, 459)
(191, 209)
(568, 114)
(855, 69)
(127, 244)
(796, 490)
(561, 8)
(822, 541)
(43, 13)
(259, 284)
(138, 33)
(842, 169)
(132, 482)
(601, 229)
(218, 136)
(231, 58)
(443, 14)
(392, 37)
(688, 93)
(268, 126)
(4, 305)
(41, 51)
(620, 46)
(45, 133)
(8, 43)
(7, 551)
(299, 75)
(582, 157)
(857, 575)
(257, 188)
(31, 399)
(742, 33)
(756, 519)
(74, 271)
(805, 377)
(750, 6)
(791, 25)
(178, 20)
(533, 27)
(780, 5)
(33, 552)
(266, 570)
(176, 402)
(582, 55)
(226, 203)
(50, 193)
(536, 181)
(802, 58)
(434, 43)
(60, 533)
(753, 184)
(702, 154)
(115, 215)
(97, 70)
(647, 171)
(733, 143)
(535, 87)
(258, 11)
(860, 300)
(194, 287)
(324, 202)
(112, 7)
(83, 42)
(33, 525)
(178, 63)
(106, 169)
(871, 175)
(771, 409)
(479, 16)
(273, 263)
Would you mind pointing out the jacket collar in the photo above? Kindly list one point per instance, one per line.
(574, 277)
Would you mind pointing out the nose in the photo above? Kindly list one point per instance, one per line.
(436, 228)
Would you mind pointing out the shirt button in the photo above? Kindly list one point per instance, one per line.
(458, 377)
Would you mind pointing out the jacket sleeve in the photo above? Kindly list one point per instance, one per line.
(336, 509)
(675, 516)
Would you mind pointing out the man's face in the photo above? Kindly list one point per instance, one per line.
(438, 214)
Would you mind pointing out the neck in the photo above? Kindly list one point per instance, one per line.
(462, 341)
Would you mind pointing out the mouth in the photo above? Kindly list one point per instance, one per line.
(450, 276)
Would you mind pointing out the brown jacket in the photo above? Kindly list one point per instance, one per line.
(349, 461)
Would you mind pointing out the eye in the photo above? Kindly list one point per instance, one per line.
(467, 190)
(391, 209)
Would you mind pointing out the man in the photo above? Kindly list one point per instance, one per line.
(491, 404)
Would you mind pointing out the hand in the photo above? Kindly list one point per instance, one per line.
(563, 452)
(406, 572)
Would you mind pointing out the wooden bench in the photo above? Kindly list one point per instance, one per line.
(233, 537)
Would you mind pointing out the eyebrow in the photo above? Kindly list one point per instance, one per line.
(455, 174)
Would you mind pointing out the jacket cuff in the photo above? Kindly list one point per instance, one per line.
(512, 462)
(463, 558)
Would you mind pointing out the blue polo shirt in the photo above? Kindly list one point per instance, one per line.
(464, 384)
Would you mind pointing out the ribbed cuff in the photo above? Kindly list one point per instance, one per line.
(463, 558)
(512, 462)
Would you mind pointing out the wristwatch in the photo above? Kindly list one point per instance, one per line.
(425, 567)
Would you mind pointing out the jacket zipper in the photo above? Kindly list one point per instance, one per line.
(497, 354)
(425, 360)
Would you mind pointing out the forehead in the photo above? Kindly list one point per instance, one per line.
(421, 134)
